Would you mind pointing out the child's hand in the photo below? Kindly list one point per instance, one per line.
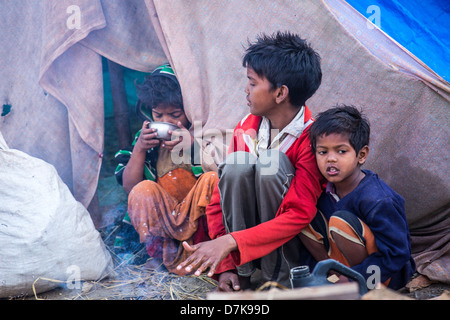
(228, 282)
(181, 135)
(207, 255)
(147, 139)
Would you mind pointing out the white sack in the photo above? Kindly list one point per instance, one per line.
(44, 231)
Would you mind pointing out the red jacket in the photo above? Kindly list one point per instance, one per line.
(296, 211)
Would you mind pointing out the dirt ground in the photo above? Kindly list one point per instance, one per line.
(134, 282)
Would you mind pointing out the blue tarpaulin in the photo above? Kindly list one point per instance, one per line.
(422, 27)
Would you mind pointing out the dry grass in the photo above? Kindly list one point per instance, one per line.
(133, 282)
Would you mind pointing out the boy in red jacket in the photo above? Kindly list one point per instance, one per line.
(269, 183)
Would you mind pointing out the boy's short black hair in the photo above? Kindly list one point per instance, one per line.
(285, 59)
(159, 91)
(342, 119)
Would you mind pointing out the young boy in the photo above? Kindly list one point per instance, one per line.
(367, 227)
(269, 183)
(167, 199)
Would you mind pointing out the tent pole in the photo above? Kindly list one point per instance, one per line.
(120, 104)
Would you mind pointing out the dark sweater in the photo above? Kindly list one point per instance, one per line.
(383, 210)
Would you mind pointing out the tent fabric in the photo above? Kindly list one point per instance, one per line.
(431, 251)
(406, 102)
(51, 76)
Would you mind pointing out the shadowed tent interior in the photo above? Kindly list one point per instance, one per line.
(52, 87)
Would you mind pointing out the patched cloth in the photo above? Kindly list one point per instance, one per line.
(163, 221)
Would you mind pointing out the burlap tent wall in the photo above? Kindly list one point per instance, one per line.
(406, 103)
(51, 76)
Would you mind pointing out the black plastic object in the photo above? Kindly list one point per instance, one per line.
(301, 277)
